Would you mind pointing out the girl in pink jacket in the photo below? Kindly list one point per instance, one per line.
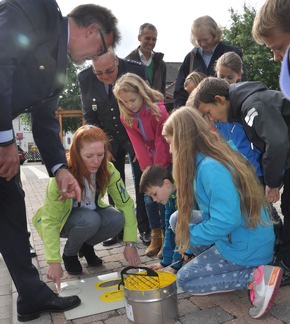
(143, 114)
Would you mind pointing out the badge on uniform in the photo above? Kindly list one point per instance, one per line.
(133, 61)
(94, 105)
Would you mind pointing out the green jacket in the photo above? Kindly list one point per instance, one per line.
(52, 215)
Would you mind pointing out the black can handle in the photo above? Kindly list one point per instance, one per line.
(150, 272)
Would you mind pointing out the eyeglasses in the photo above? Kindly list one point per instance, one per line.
(110, 71)
(201, 42)
(107, 72)
(105, 49)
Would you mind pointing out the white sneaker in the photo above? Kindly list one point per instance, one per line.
(264, 289)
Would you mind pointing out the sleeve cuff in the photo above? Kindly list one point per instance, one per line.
(8, 142)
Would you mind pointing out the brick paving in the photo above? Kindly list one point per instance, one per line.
(214, 309)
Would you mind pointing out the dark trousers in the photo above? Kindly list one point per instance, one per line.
(14, 247)
(142, 219)
(284, 250)
(278, 225)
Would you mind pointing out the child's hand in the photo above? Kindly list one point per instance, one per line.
(187, 257)
(155, 266)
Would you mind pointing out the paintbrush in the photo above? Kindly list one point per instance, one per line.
(172, 264)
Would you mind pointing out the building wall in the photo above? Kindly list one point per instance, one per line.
(25, 139)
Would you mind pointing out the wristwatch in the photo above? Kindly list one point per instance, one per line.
(131, 244)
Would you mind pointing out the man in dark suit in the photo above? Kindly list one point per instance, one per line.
(34, 42)
(100, 108)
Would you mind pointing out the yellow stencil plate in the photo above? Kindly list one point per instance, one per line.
(107, 284)
(112, 296)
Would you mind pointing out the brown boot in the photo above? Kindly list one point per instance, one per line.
(162, 243)
(156, 242)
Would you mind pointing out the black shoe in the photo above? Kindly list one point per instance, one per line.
(72, 264)
(120, 235)
(54, 304)
(113, 240)
(32, 251)
(286, 272)
(285, 280)
(89, 253)
(145, 237)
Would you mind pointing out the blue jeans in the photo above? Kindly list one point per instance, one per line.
(155, 213)
(209, 272)
(90, 226)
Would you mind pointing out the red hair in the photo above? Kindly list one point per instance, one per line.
(88, 134)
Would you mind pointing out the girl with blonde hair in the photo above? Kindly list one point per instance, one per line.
(192, 81)
(143, 114)
(233, 242)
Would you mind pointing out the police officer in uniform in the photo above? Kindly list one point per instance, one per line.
(100, 108)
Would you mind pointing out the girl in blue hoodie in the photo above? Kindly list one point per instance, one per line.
(234, 242)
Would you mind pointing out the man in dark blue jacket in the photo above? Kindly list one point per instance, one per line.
(100, 108)
(34, 42)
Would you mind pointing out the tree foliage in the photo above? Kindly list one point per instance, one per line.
(70, 99)
(258, 59)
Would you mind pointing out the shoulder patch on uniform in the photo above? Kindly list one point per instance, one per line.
(251, 114)
(133, 62)
(89, 68)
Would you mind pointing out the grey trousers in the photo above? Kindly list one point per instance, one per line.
(90, 226)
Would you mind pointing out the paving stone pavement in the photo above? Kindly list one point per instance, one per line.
(214, 309)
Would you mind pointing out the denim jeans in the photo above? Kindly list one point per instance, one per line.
(155, 213)
(90, 226)
(209, 272)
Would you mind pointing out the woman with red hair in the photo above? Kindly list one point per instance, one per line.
(91, 221)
